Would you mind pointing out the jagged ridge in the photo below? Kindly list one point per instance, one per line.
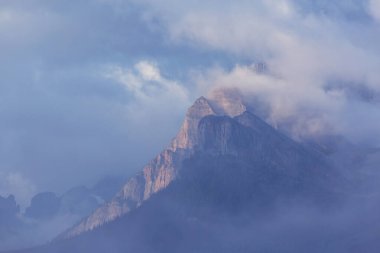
(226, 107)
(155, 176)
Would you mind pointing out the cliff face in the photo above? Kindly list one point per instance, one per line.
(155, 176)
(187, 135)
(224, 173)
(229, 182)
(220, 126)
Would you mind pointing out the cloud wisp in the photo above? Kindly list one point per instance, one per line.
(321, 57)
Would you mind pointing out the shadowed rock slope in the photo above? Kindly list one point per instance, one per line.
(154, 177)
(162, 170)
(222, 173)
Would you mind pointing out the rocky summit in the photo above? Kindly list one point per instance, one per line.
(220, 125)
(163, 169)
(228, 182)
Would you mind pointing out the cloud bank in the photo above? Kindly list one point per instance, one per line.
(321, 57)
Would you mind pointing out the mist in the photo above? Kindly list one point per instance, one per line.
(66, 121)
(320, 57)
(206, 211)
(96, 88)
(63, 85)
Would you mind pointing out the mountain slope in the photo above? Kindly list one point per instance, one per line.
(224, 162)
(154, 177)
(255, 136)
(232, 176)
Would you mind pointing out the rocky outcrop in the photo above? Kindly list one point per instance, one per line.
(155, 176)
(187, 136)
(220, 167)
(162, 170)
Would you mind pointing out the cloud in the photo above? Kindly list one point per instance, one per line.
(374, 9)
(272, 99)
(146, 82)
(148, 71)
(307, 48)
(62, 122)
(16, 184)
(156, 101)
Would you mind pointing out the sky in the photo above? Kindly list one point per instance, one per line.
(96, 87)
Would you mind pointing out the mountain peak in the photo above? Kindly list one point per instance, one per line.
(187, 135)
(201, 107)
(222, 102)
(227, 102)
(239, 156)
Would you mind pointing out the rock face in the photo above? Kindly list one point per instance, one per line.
(162, 170)
(229, 182)
(187, 136)
(218, 126)
(210, 190)
(154, 177)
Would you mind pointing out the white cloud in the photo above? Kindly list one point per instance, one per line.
(16, 184)
(307, 107)
(156, 102)
(283, 99)
(146, 83)
(374, 8)
(148, 71)
(305, 51)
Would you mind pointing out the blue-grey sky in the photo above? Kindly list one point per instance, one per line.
(95, 87)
